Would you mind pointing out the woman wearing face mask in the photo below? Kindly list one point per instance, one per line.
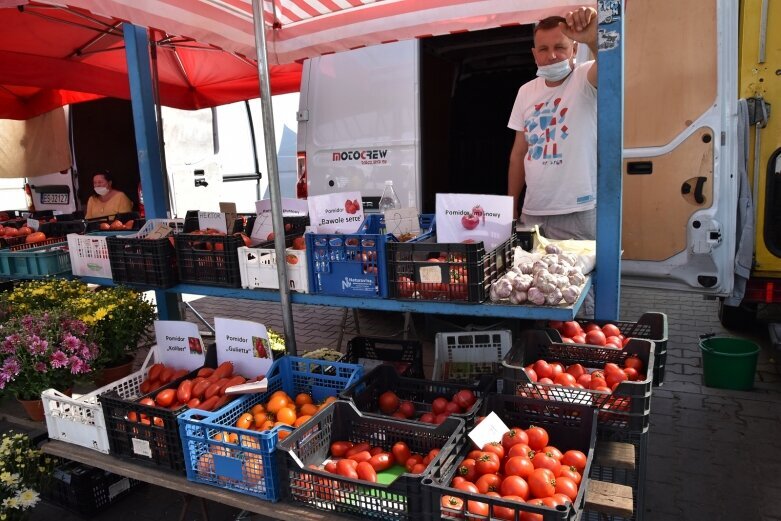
(106, 201)
(555, 118)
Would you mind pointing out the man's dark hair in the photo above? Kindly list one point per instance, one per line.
(550, 22)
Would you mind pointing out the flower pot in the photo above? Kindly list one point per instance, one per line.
(111, 374)
(33, 408)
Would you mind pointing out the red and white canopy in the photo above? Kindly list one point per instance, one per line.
(298, 29)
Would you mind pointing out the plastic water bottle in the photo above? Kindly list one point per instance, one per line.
(389, 199)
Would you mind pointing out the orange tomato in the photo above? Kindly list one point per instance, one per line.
(328, 400)
(245, 420)
(276, 403)
(303, 399)
(257, 408)
(283, 434)
(286, 415)
(308, 409)
(104, 227)
(266, 425)
(301, 420)
(280, 393)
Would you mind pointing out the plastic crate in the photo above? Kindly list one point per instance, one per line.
(354, 264)
(141, 262)
(36, 260)
(406, 356)
(250, 467)
(62, 228)
(627, 408)
(634, 478)
(571, 427)
(403, 499)
(86, 490)
(258, 267)
(453, 272)
(211, 260)
(79, 419)
(155, 445)
(89, 254)
(466, 356)
(295, 226)
(650, 326)
(366, 392)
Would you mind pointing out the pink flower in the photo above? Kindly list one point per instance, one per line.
(59, 359)
(38, 345)
(77, 366)
(11, 367)
(70, 343)
(40, 367)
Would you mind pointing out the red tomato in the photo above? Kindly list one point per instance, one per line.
(531, 516)
(487, 463)
(427, 417)
(562, 498)
(418, 469)
(570, 472)
(532, 373)
(579, 339)
(496, 448)
(570, 329)
(565, 379)
(611, 330)
(542, 483)
(165, 397)
(488, 483)
(541, 460)
(465, 399)
(614, 379)
(543, 369)
(522, 449)
(611, 368)
(330, 467)
(453, 408)
(614, 341)
(567, 486)
(364, 455)
(413, 460)
(407, 408)
(401, 452)
(439, 418)
(452, 503)
(567, 340)
(381, 461)
(591, 326)
(596, 337)
(431, 456)
(553, 452)
(477, 508)
(366, 472)
(574, 458)
(466, 486)
(555, 324)
(375, 451)
(515, 486)
(438, 405)
(514, 436)
(355, 449)
(346, 469)
(389, 402)
(518, 466)
(538, 437)
(576, 370)
(632, 374)
(631, 362)
(557, 368)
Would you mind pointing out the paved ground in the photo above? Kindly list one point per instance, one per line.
(713, 454)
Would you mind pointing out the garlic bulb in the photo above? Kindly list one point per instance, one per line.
(570, 294)
(518, 297)
(536, 296)
(552, 248)
(554, 297)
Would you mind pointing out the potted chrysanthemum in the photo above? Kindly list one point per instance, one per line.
(22, 472)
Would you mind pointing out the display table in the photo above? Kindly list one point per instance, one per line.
(607, 498)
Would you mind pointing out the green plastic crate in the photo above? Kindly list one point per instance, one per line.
(36, 262)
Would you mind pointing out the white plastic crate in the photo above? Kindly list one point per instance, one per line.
(79, 419)
(258, 268)
(465, 356)
(177, 225)
(89, 255)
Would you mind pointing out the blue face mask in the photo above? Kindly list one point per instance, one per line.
(554, 72)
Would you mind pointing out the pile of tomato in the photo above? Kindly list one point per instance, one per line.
(462, 401)
(281, 409)
(362, 461)
(523, 468)
(580, 377)
(608, 335)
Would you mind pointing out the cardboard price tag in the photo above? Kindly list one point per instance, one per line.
(179, 344)
(34, 224)
(213, 220)
(402, 221)
(245, 344)
(336, 213)
(474, 218)
(491, 429)
(160, 231)
(229, 209)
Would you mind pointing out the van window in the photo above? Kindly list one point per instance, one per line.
(772, 228)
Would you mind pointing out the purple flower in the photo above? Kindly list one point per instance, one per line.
(11, 366)
(38, 345)
(41, 367)
(59, 359)
(70, 343)
(77, 366)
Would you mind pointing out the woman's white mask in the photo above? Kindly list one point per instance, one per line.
(101, 190)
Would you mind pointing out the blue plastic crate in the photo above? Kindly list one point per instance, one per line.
(354, 264)
(243, 460)
(36, 260)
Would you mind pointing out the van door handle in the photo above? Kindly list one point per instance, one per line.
(640, 167)
(686, 189)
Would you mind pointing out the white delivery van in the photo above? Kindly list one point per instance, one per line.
(431, 114)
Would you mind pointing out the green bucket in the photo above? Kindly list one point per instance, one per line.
(728, 362)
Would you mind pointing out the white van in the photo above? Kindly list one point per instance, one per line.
(431, 114)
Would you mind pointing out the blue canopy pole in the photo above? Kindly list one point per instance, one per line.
(610, 148)
(148, 143)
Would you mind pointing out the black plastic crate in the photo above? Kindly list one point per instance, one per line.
(86, 490)
(211, 260)
(455, 272)
(63, 228)
(295, 226)
(570, 427)
(627, 408)
(650, 326)
(309, 446)
(406, 356)
(365, 392)
(140, 262)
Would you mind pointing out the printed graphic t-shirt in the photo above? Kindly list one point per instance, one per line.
(560, 124)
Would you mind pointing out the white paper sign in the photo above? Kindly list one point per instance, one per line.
(213, 220)
(33, 223)
(179, 344)
(336, 213)
(474, 218)
(290, 207)
(491, 429)
(402, 221)
(141, 447)
(245, 344)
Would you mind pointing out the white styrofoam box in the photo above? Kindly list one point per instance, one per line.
(79, 420)
(258, 268)
(464, 356)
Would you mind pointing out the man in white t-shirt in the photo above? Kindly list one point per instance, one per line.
(555, 119)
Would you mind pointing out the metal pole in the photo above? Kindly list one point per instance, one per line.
(273, 177)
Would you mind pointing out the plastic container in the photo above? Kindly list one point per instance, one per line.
(729, 362)
(389, 200)
(93, 225)
(79, 419)
(86, 490)
(366, 392)
(650, 326)
(249, 466)
(406, 356)
(627, 408)
(89, 254)
(63, 228)
(570, 426)
(354, 264)
(258, 267)
(403, 499)
(454, 272)
(141, 262)
(210, 260)
(466, 356)
(36, 260)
